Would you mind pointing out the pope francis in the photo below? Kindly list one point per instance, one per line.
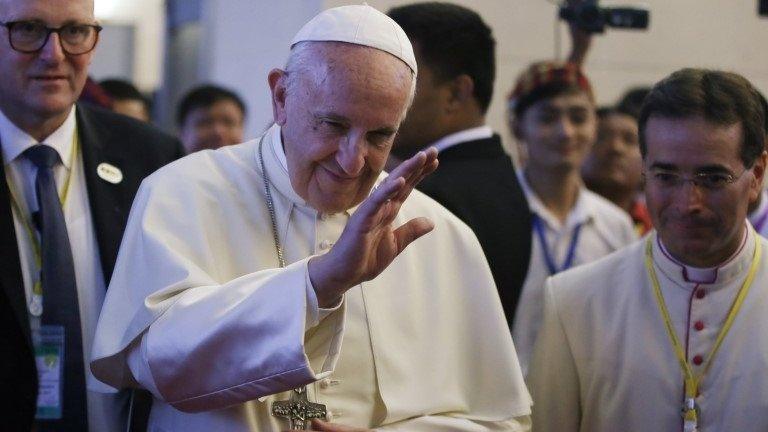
(265, 286)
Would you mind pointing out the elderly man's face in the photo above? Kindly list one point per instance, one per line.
(339, 120)
(42, 86)
(700, 225)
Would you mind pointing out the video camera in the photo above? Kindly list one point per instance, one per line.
(592, 18)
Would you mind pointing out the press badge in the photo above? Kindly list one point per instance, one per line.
(49, 357)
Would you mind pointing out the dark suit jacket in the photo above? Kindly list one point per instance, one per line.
(138, 150)
(476, 181)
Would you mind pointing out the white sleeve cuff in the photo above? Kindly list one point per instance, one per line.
(315, 314)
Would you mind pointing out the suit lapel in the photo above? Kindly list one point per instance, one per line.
(105, 198)
(10, 265)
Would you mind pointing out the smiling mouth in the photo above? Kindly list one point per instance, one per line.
(337, 177)
(49, 78)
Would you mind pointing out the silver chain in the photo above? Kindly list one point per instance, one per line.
(281, 260)
(271, 206)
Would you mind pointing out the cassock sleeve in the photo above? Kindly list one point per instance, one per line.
(454, 424)
(139, 359)
(553, 378)
(200, 343)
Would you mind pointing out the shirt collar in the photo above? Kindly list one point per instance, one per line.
(688, 276)
(580, 213)
(472, 134)
(15, 141)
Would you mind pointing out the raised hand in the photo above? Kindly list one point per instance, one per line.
(369, 243)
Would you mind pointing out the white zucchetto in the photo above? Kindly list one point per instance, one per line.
(360, 25)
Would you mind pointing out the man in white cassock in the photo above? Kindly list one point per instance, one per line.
(265, 285)
(669, 333)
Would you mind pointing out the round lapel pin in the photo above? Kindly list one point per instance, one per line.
(109, 172)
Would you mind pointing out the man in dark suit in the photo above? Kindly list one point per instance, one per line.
(69, 174)
(476, 178)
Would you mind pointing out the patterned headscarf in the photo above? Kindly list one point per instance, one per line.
(546, 74)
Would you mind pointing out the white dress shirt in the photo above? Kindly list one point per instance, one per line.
(472, 134)
(604, 229)
(104, 410)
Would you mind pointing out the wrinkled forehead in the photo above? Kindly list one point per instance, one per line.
(47, 10)
(343, 67)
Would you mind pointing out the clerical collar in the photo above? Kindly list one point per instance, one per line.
(15, 141)
(472, 134)
(579, 214)
(759, 217)
(688, 276)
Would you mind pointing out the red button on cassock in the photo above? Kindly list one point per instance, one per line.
(698, 360)
(699, 326)
(700, 294)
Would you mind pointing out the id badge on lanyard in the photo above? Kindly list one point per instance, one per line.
(49, 357)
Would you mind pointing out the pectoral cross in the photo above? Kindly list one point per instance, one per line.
(298, 410)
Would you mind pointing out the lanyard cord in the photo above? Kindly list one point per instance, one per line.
(692, 381)
(548, 258)
(37, 288)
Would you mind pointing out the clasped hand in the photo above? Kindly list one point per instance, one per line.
(369, 243)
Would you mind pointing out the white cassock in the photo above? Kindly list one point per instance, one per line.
(199, 310)
(604, 361)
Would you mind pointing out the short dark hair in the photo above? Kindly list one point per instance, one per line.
(605, 111)
(119, 89)
(452, 40)
(722, 98)
(632, 101)
(205, 96)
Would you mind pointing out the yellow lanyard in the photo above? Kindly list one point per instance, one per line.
(36, 303)
(692, 381)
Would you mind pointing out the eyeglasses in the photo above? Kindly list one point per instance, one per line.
(705, 180)
(30, 36)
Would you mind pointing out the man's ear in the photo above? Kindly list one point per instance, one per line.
(277, 79)
(516, 128)
(758, 169)
(462, 90)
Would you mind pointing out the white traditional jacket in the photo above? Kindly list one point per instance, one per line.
(199, 312)
(604, 362)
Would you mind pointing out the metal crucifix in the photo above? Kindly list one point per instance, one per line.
(298, 410)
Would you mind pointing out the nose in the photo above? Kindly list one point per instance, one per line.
(52, 50)
(566, 128)
(220, 132)
(351, 154)
(690, 196)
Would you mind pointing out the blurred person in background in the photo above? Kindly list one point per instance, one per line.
(127, 99)
(475, 179)
(553, 116)
(613, 167)
(210, 117)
